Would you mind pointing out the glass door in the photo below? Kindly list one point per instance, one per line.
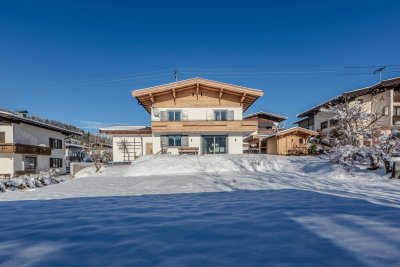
(214, 144)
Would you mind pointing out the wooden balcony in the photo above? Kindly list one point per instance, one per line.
(25, 149)
(203, 126)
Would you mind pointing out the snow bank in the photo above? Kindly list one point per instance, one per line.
(30, 181)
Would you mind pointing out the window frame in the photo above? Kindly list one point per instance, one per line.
(55, 143)
(56, 163)
(174, 115)
(324, 125)
(34, 163)
(174, 138)
(220, 112)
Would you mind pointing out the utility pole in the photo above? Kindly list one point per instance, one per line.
(176, 75)
(380, 70)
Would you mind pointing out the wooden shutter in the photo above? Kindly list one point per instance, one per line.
(184, 115)
(185, 141)
(210, 115)
(2, 137)
(230, 115)
(164, 115)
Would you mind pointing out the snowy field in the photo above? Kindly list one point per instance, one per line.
(206, 210)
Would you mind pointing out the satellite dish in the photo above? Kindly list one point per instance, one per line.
(156, 112)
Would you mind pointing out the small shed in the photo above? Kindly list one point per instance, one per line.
(291, 141)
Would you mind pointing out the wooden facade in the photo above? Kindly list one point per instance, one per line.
(203, 126)
(292, 141)
(25, 149)
(197, 92)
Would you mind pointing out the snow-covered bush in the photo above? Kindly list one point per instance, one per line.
(30, 181)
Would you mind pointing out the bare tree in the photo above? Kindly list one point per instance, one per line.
(123, 145)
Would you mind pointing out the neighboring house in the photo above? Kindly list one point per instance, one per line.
(382, 99)
(29, 146)
(268, 124)
(74, 152)
(291, 141)
(196, 116)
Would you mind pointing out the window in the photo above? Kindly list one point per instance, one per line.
(360, 101)
(324, 125)
(396, 111)
(220, 115)
(174, 115)
(301, 141)
(30, 163)
(2, 137)
(55, 143)
(55, 163)
(385, 111)
(174, 141)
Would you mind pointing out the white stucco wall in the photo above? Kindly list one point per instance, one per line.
(6, 164)
(8, 130)
(200, 114)
(118, 154)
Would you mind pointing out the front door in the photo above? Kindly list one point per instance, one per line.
(149, 148)
(214, 144)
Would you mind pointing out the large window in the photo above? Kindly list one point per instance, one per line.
(30, 163)
(174, 115)
(220, 115)
(55, 163)
(55, 143)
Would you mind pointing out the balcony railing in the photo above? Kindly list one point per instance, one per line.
(204, 126)
(25, 149)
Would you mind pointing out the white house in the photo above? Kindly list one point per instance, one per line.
(192, 116)
(382, 99)
(29, 146)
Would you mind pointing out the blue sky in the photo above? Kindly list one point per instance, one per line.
(77, 61)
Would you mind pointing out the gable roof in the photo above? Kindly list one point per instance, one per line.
(294, 129)
(246, 95)
(14, 118)
(381, 86)
(268, 115)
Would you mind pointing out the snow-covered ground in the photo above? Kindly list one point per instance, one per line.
(246, 210)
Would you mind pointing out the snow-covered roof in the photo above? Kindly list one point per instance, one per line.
(122, 128)
(266, 114)
(127, 129)
(294, 129)
(12, 117)
(353, 93)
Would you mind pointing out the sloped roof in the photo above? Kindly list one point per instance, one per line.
(294, 129)
(266, 114)
(128, 129)
(146, 96)
(14, 118)
(384, 85)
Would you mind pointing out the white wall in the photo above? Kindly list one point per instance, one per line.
(118, 154)
(6, 163)
(200, 114)
(8, 129)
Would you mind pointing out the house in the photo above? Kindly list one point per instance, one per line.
(197, 116)
(268, 124)
(28, 145)
(291, 141)
(382, 99)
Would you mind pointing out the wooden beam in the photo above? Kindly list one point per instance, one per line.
(243, 98)
(197, 91)
(151, 98)
(174, 94)
(220, 94)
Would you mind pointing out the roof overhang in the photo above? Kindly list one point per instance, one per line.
(246, 96)
(266, 115)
